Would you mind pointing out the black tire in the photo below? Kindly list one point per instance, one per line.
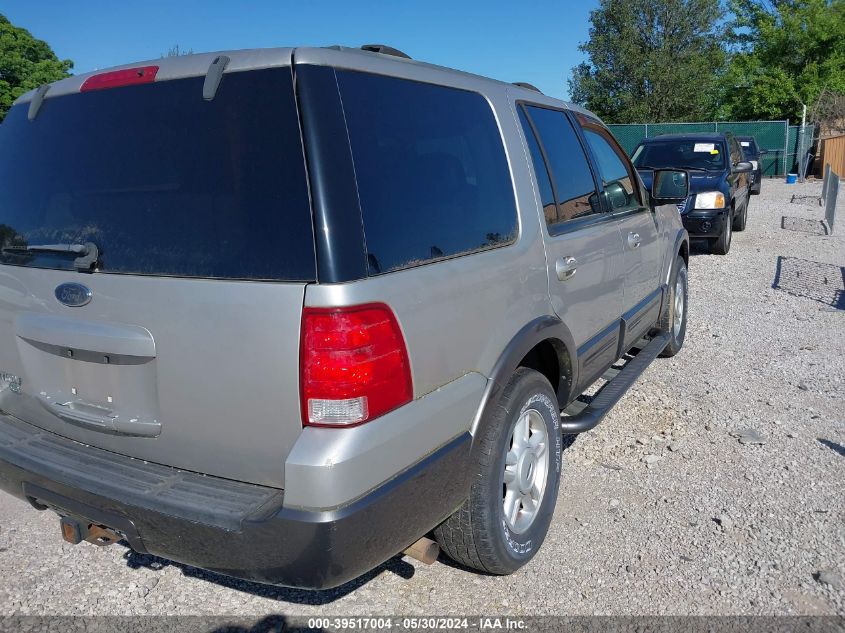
(477, 534)
(722, 244)
(739, 220)
(670, 312)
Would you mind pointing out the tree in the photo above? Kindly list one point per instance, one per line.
(784, 53)
(651, 60)
(829, 113)
(175, 51)
(25, 63)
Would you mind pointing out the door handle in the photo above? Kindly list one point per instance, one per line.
(565, 267)
(634, 240)
(98, 418)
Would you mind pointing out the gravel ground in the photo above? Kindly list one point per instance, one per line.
(663, 509)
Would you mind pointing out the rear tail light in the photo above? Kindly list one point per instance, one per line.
(117, 78)
(353, 365)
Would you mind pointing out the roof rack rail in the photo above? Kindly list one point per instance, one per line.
(525, 84)
(384, 50)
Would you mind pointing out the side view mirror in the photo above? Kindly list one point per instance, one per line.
(743, 167)
(669, 186)
(616, 195)
(763, 151)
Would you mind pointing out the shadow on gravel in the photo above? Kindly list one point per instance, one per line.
(698, 246)
(811, 200)
(803, 225)
(824, 283)
(396, 565)
(267, 624)
(833, 446)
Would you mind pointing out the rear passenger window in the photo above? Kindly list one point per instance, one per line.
(432, 176)
(616, 175)
(547, 198)
(567, 165)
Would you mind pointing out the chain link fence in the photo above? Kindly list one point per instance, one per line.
(778, 138)
(830, 196)
(799, 146)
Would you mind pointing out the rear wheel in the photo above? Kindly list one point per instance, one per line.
(516, 468)
(722, 244)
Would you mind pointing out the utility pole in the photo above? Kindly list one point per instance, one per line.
(801, 152)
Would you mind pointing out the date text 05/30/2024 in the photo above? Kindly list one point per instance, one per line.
(418, 623)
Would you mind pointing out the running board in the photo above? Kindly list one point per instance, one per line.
(613, 391)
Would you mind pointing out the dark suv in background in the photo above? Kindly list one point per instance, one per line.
(718, 187)
(754, 155)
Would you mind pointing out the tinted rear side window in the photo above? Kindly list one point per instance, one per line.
(163, 182)
(432, 176)
(547, 197)
(571, 175)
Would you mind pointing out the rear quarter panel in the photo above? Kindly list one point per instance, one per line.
(459, 314)
(457, 317)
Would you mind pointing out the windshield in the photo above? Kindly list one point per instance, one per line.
(161, 181)
(680, 154)
(749, 149)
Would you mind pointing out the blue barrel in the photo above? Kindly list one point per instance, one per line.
(791, 178)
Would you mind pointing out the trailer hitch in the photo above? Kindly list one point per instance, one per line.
(75, 531)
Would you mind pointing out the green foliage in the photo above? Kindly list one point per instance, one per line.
(784, 53)
(651, 60)
(25, 63)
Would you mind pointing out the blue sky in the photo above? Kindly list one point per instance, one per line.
(528, 41)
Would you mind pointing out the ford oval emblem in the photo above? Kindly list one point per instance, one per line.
(73, 294)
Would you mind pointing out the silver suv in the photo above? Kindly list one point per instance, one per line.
(282, 314)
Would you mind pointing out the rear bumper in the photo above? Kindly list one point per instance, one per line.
(233, 528)
(701, 223)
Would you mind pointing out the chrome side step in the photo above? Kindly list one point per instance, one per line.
(612, 392)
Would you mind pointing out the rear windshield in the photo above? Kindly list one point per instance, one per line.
(161, 181)
(680, 154)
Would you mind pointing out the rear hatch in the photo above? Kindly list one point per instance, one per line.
(181, 345)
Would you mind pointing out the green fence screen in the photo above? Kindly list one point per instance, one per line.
(794, 151)
(778, 138)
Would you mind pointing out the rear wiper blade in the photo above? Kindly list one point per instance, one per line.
(78, 249)
(87, 254)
